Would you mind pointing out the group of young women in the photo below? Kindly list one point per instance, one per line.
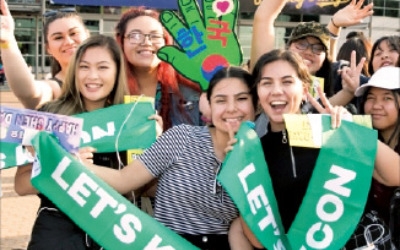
(313, 43)
(89, 73)
(187, 157)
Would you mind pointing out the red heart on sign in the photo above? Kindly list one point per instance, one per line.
(223, 6)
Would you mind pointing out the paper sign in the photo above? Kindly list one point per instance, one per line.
(133, 153)
(15, 121)
(316, 81)
(306, 130)
(300, 130)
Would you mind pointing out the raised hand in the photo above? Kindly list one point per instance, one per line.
(337, 112)
(207, 41)
(351, 75)
(353, 13)
(232, 139)
(7, 24)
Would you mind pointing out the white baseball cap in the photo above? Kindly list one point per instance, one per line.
(387, 77)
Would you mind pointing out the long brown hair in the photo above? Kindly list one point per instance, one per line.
(396, 132)
(166, 75)
(47, 20)
(283, 55)
(70, 102)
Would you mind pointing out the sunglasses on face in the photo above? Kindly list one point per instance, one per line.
(50, 13)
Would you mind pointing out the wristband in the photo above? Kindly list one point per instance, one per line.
(333, 36)
(333, 23)
(4, 45)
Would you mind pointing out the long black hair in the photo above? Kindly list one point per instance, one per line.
(392, 41)
(396, 132)
(234, 72)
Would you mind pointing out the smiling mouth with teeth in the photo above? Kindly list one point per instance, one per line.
(146, 52)
(233, 119)
(90, 85)
(278, 104)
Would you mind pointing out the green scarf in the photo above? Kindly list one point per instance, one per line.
(102, 129)
(335, 197)
(110, 219)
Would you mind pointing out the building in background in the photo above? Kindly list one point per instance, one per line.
(101, 20)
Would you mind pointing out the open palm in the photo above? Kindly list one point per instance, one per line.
(207, 42)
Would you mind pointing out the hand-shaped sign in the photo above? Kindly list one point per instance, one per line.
(207, 41)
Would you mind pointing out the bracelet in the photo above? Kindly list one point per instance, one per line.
(333, 23)
(333, 36)
(5, 45)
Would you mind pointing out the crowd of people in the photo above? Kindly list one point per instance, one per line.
(180, 169)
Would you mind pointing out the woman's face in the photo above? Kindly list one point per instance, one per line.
(231, 103)
(381, 105)
(96, 77)
(64, 36)
(280, 91)
(311, 50)
(142, 51)
(384, 55)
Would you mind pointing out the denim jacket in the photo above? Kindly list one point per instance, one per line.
(190, 106)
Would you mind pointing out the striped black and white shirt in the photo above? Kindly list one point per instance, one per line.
(188, 199)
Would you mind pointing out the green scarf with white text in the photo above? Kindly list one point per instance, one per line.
(335, 197)
(110, 219)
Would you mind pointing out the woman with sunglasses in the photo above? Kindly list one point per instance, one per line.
(63, 32)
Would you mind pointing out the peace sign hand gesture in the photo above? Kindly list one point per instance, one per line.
(351, 74)
(337, 112)
(207, 41)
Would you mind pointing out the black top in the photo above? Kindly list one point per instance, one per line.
(288, 180)
(381, 195)
(101, 159)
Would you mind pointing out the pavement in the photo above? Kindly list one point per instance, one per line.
(17, 213)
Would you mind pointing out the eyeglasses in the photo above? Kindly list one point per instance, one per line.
(316, 48)
(50, 13)
(138, 38)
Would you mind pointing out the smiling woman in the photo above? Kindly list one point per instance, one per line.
(385, 52)
(95, 79)
(140, 35)
(186, 159)
(96, 74)
(282, 81)
(63, 32)
(381, 100)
